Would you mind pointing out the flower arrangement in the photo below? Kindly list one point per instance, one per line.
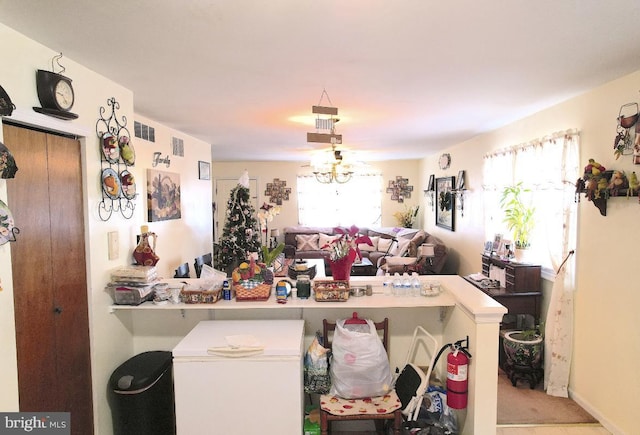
(265, 215)
(346, 244)
(407, 217)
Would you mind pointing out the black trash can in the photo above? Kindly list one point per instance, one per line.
(141, 396)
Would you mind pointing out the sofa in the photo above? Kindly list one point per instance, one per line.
(306, 242)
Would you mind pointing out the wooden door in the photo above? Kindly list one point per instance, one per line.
(49, 276)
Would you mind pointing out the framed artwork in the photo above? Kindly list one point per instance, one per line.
(204, 170)
(497, 241)
(163, 195)
(399, 189)
(277, 191)
(445, 203)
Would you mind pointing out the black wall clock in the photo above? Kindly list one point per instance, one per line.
(56, 95)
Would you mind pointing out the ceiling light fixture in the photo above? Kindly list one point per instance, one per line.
(332, 169)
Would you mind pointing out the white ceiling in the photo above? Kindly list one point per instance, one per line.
(409, 77)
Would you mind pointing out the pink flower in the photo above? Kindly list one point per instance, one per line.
(346, 244)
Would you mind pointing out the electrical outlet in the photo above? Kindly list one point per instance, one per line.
(114, 245)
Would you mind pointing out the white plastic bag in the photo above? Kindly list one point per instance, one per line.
(360, 366)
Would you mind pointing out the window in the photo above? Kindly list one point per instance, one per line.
(357, 202)
(549, 168)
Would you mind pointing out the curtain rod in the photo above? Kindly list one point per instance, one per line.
(533, 143)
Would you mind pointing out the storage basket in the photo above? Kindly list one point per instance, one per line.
(252, 291)
(191, 295)
(331, 290)
(294, 271)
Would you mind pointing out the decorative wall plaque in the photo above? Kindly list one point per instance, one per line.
(277, 191)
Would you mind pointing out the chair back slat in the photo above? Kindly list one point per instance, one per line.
(201, 260)
(182, 271)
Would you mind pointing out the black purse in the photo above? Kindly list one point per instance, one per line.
(6, 106)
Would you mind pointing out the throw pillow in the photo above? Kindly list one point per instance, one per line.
(324, 241)
(307, 242)
(365, 247)
(383, 244)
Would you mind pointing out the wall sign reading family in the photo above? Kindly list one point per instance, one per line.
(445, 201)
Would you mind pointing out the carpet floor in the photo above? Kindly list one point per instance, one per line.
(522, 405)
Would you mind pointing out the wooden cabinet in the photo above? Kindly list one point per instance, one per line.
(522, 292)
(520, 277)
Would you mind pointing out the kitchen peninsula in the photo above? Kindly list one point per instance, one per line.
(460, 311)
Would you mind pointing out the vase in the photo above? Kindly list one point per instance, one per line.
(144, 253)
(522, 351)
(521, 255)
(341, 269)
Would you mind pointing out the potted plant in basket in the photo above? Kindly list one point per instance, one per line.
(344, 251)
(518, 216)
(269, 255)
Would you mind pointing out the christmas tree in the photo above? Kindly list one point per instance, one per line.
(240, 235)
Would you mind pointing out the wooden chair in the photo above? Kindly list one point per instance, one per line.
(201, 260)
(379, 419)
(182, 271)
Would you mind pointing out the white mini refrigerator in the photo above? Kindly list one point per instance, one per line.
(240, 377)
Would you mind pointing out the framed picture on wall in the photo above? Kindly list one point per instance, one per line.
(204, 170)
(163, 195)
(445, 203)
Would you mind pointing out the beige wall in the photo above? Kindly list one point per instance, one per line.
(606, 342)
(265, 172)
(178, 240)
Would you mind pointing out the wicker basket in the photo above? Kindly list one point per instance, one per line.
(331, 290)
(252, 291)
(199, 296)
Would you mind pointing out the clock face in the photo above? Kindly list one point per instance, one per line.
(64, 95)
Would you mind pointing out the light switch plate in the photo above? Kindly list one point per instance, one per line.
(114, 245)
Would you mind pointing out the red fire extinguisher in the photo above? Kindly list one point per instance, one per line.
(457, 372)
(457, 376)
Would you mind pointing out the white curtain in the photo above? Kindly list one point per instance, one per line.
(356, 202)
(549, 168)
(559, 325)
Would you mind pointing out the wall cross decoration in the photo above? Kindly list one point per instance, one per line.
(399, 189)
(277, 191)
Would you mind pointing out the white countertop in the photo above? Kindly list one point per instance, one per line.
(456, 292)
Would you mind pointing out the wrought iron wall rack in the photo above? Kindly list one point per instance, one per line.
(117, 155)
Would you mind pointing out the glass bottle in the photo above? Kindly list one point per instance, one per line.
(303, 285)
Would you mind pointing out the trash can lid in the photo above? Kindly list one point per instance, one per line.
(140, 371)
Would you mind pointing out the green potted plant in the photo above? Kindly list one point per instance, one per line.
(518, 216)
(269, 256)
